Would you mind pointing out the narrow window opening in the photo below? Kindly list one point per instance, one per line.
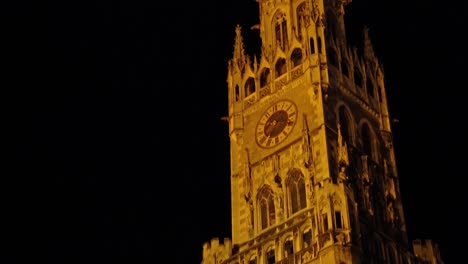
(307, 238)
(296, 57)
(296, 189)
(301, 15)
(270, 256)
(265, 77)
(271, 212)
(288, 248)
(267, 208)
(325, 222)
(281, 31)
(338, 221)
(249, 86)
(263, 209)
(312, 46)
(319, 45)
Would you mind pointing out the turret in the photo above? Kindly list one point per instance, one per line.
(216, 253)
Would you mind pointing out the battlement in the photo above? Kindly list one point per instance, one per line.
(215, 252)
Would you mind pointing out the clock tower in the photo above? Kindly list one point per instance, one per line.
(313, 172)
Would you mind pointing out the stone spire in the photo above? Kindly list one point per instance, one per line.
(239, 57)
(368, 47)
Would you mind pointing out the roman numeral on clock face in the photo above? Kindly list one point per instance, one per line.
(276, 123)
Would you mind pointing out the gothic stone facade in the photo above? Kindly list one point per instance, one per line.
(313, 172)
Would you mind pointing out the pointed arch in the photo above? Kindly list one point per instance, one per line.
(346, 124)
(270, 255)
(288, 247)
(266, 205)
(295, 187)
(312, 45)
(280, 26)
(265, 77)
(302, 18)
(280, 67)
(249, 86)
(306, 237)
(296, 57)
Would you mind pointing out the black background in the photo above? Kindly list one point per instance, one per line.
(116, 152)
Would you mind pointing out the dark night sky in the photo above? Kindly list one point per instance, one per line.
(118, 155)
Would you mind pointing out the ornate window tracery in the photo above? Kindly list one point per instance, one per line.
(267, 207)
(296, 190)
(281, 32)
(302, 16)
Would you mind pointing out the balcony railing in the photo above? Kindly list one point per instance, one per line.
(281, 82)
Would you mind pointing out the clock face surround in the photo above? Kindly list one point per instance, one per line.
(276, 123)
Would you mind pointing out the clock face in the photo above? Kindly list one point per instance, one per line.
(276, 123)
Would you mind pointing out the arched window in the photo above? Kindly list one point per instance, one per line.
(338, 220)
(281, 32)
(307, 238)
(267, 207)
(280, 67)
(288, 247)
(249, 87)
(302, 15)
(237, 93)
(264, 77)
(296, 57)
(270, 256)
(296, 190)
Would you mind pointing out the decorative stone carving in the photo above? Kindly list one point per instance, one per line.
(336, 199)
